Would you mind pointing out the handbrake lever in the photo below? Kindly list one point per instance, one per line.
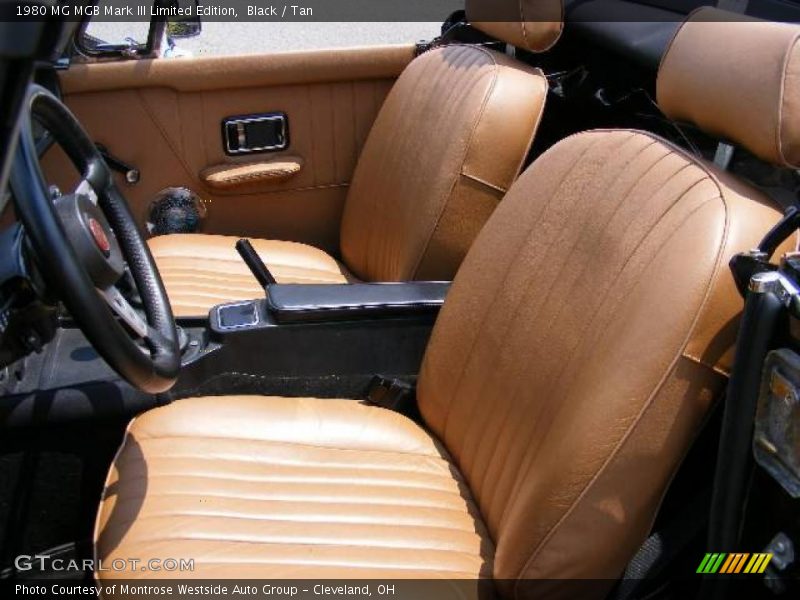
(254, 262)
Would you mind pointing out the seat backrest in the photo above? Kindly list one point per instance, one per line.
(447, 143)
(585, 337)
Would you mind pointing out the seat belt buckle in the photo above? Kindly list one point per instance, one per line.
(391, 394)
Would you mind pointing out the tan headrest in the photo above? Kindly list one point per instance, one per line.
(737, 79)
(534, 25)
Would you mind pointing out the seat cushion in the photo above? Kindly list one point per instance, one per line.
(267, 487)
(200, 271)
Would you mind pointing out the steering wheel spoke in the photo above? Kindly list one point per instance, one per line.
(120, 306)
(86, 188)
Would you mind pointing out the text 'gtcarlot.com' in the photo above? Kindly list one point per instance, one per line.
(44, 562)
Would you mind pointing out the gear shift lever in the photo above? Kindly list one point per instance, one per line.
(254, 262)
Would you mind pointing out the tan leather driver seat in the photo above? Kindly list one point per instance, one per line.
(583, 341)
(450, 138)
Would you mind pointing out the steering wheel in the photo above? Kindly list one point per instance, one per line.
(85, 244)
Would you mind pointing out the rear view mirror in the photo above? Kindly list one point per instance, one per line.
(186, 22)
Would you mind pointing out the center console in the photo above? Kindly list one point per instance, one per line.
(315, 340)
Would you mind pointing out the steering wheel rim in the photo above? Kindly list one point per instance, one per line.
(150, 363)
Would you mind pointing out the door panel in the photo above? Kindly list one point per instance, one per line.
(164, 117)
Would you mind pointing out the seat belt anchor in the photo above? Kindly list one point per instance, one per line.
(391, 394)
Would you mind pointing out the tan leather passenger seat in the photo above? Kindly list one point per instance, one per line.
(450, 138)
(582, 343)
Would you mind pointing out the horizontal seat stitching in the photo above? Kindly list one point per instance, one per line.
(272, 261)
(213, 284)
(272, 519)
(187, 295)
(354, 482)
(200, 272)
(215, 276)
(208, 301)
(202, 288)
(222, 280)
(306, 464)
(227, 281)
(319, 499)
(240, 269)
(210, 276)
(334, 544)
(297, 444)
(354, 506)
(191, 289)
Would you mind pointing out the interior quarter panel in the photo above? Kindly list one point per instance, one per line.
(164, 117)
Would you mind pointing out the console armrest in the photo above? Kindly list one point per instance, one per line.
(303, 303)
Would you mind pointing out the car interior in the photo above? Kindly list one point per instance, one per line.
(494, 311)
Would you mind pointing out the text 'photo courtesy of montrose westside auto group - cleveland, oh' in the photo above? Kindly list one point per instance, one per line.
(400, 299)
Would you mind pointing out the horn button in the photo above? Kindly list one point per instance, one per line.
(100, 237)
(92, 238)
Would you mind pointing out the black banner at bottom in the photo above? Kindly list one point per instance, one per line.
(376, 589)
